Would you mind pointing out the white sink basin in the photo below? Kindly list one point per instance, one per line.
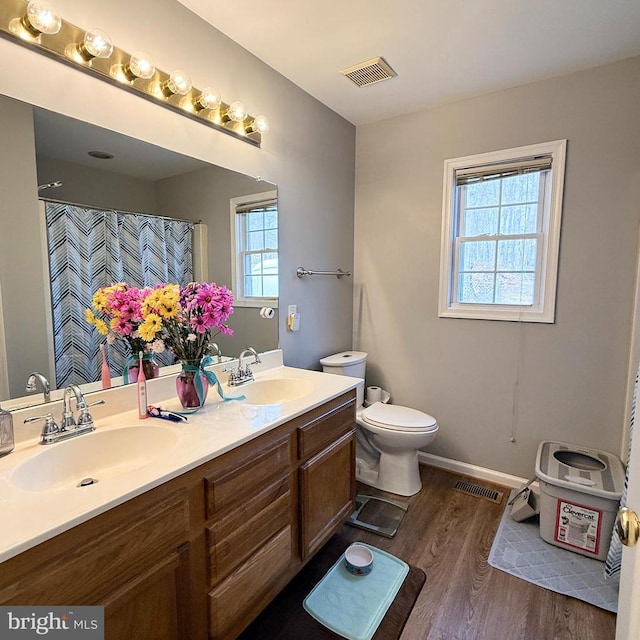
(276, 390)
(96, 456)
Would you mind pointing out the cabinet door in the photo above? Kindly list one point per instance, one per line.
(238, 599)
(327, 493)
(152, 605)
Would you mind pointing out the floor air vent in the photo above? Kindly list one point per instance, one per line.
(479, 492)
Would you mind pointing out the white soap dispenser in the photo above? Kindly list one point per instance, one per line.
(7, 442)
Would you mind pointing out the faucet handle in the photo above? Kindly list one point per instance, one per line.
(85, 418)
(49, 430)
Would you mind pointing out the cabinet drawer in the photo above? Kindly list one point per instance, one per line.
(239, 598)
(246, 474)
(234, 538)
(322, 429)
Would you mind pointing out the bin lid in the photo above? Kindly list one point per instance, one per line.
(590, 471)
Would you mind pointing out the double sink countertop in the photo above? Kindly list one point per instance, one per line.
(39, 492)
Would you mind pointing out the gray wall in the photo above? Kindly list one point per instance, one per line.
(205, 194)
(20, 246)
(482, 379)
(309, 152)
(96, 188)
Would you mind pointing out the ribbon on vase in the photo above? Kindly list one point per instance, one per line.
(131, 360)
(211, 378)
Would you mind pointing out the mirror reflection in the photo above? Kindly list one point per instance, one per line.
(94, 173)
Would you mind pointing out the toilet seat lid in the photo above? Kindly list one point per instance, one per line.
(392, 416)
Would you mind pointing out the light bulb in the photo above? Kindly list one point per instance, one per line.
(41, 17)
(95, 44)
(235, 112)
(208, 99)
(259, 124)
(140, 65)
(179, 82)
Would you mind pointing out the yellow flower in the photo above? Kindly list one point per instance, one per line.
(169, 310)
(150, 327)
(89, 317)
(99, 300)
(101, 326)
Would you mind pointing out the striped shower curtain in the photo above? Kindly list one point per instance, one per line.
(92, 248)
(613, 563)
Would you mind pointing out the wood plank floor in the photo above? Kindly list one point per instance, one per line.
(448, 534)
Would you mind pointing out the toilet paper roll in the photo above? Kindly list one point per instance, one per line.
(374, 394)
(267, 313)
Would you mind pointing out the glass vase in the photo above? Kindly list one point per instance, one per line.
(149, 367)
(191, 386)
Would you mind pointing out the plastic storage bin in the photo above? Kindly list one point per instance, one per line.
(580, 491)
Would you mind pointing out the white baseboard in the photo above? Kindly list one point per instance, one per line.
(471, 470)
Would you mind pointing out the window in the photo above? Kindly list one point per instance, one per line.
(501, 234)
(254, 221)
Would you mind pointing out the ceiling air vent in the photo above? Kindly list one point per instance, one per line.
(369, 72)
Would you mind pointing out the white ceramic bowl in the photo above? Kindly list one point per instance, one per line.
(358, 560)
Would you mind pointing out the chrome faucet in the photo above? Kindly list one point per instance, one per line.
(68, 428)
(241, 375)
(214, 348)
(68, 422)
(36, 376)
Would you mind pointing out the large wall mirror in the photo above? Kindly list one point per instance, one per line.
(129, 175)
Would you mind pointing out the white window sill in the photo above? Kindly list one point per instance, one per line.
(256, 302)
(485, 312)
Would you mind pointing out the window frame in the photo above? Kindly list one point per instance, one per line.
(549, 224)
(237, 271)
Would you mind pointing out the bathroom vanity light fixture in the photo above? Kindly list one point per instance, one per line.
(178, 83)
(140, 65)
(41, 17)
(235, 112)
(37, 25)
(208, 99)
(95, 44)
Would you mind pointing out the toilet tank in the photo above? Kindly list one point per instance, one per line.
(346, 363)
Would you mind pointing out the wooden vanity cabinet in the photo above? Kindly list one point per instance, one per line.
(136, 560)
(201, 555)
(326, 450)
(252, 518)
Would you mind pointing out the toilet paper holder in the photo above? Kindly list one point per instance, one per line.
(376, 394)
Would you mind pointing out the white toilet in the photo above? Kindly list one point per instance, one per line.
(389, 436)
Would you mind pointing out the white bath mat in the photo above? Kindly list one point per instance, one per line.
(519, 550)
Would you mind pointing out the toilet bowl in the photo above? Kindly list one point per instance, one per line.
(388, 437)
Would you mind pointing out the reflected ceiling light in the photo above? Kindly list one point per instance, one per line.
(236, 112)
(101, 155)
(140, 65)
(259, 124)
(95, 44)
(208, 99)
(178, 83)
(41, 17)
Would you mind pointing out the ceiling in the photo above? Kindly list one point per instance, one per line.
(442, 50)
(63, 138)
